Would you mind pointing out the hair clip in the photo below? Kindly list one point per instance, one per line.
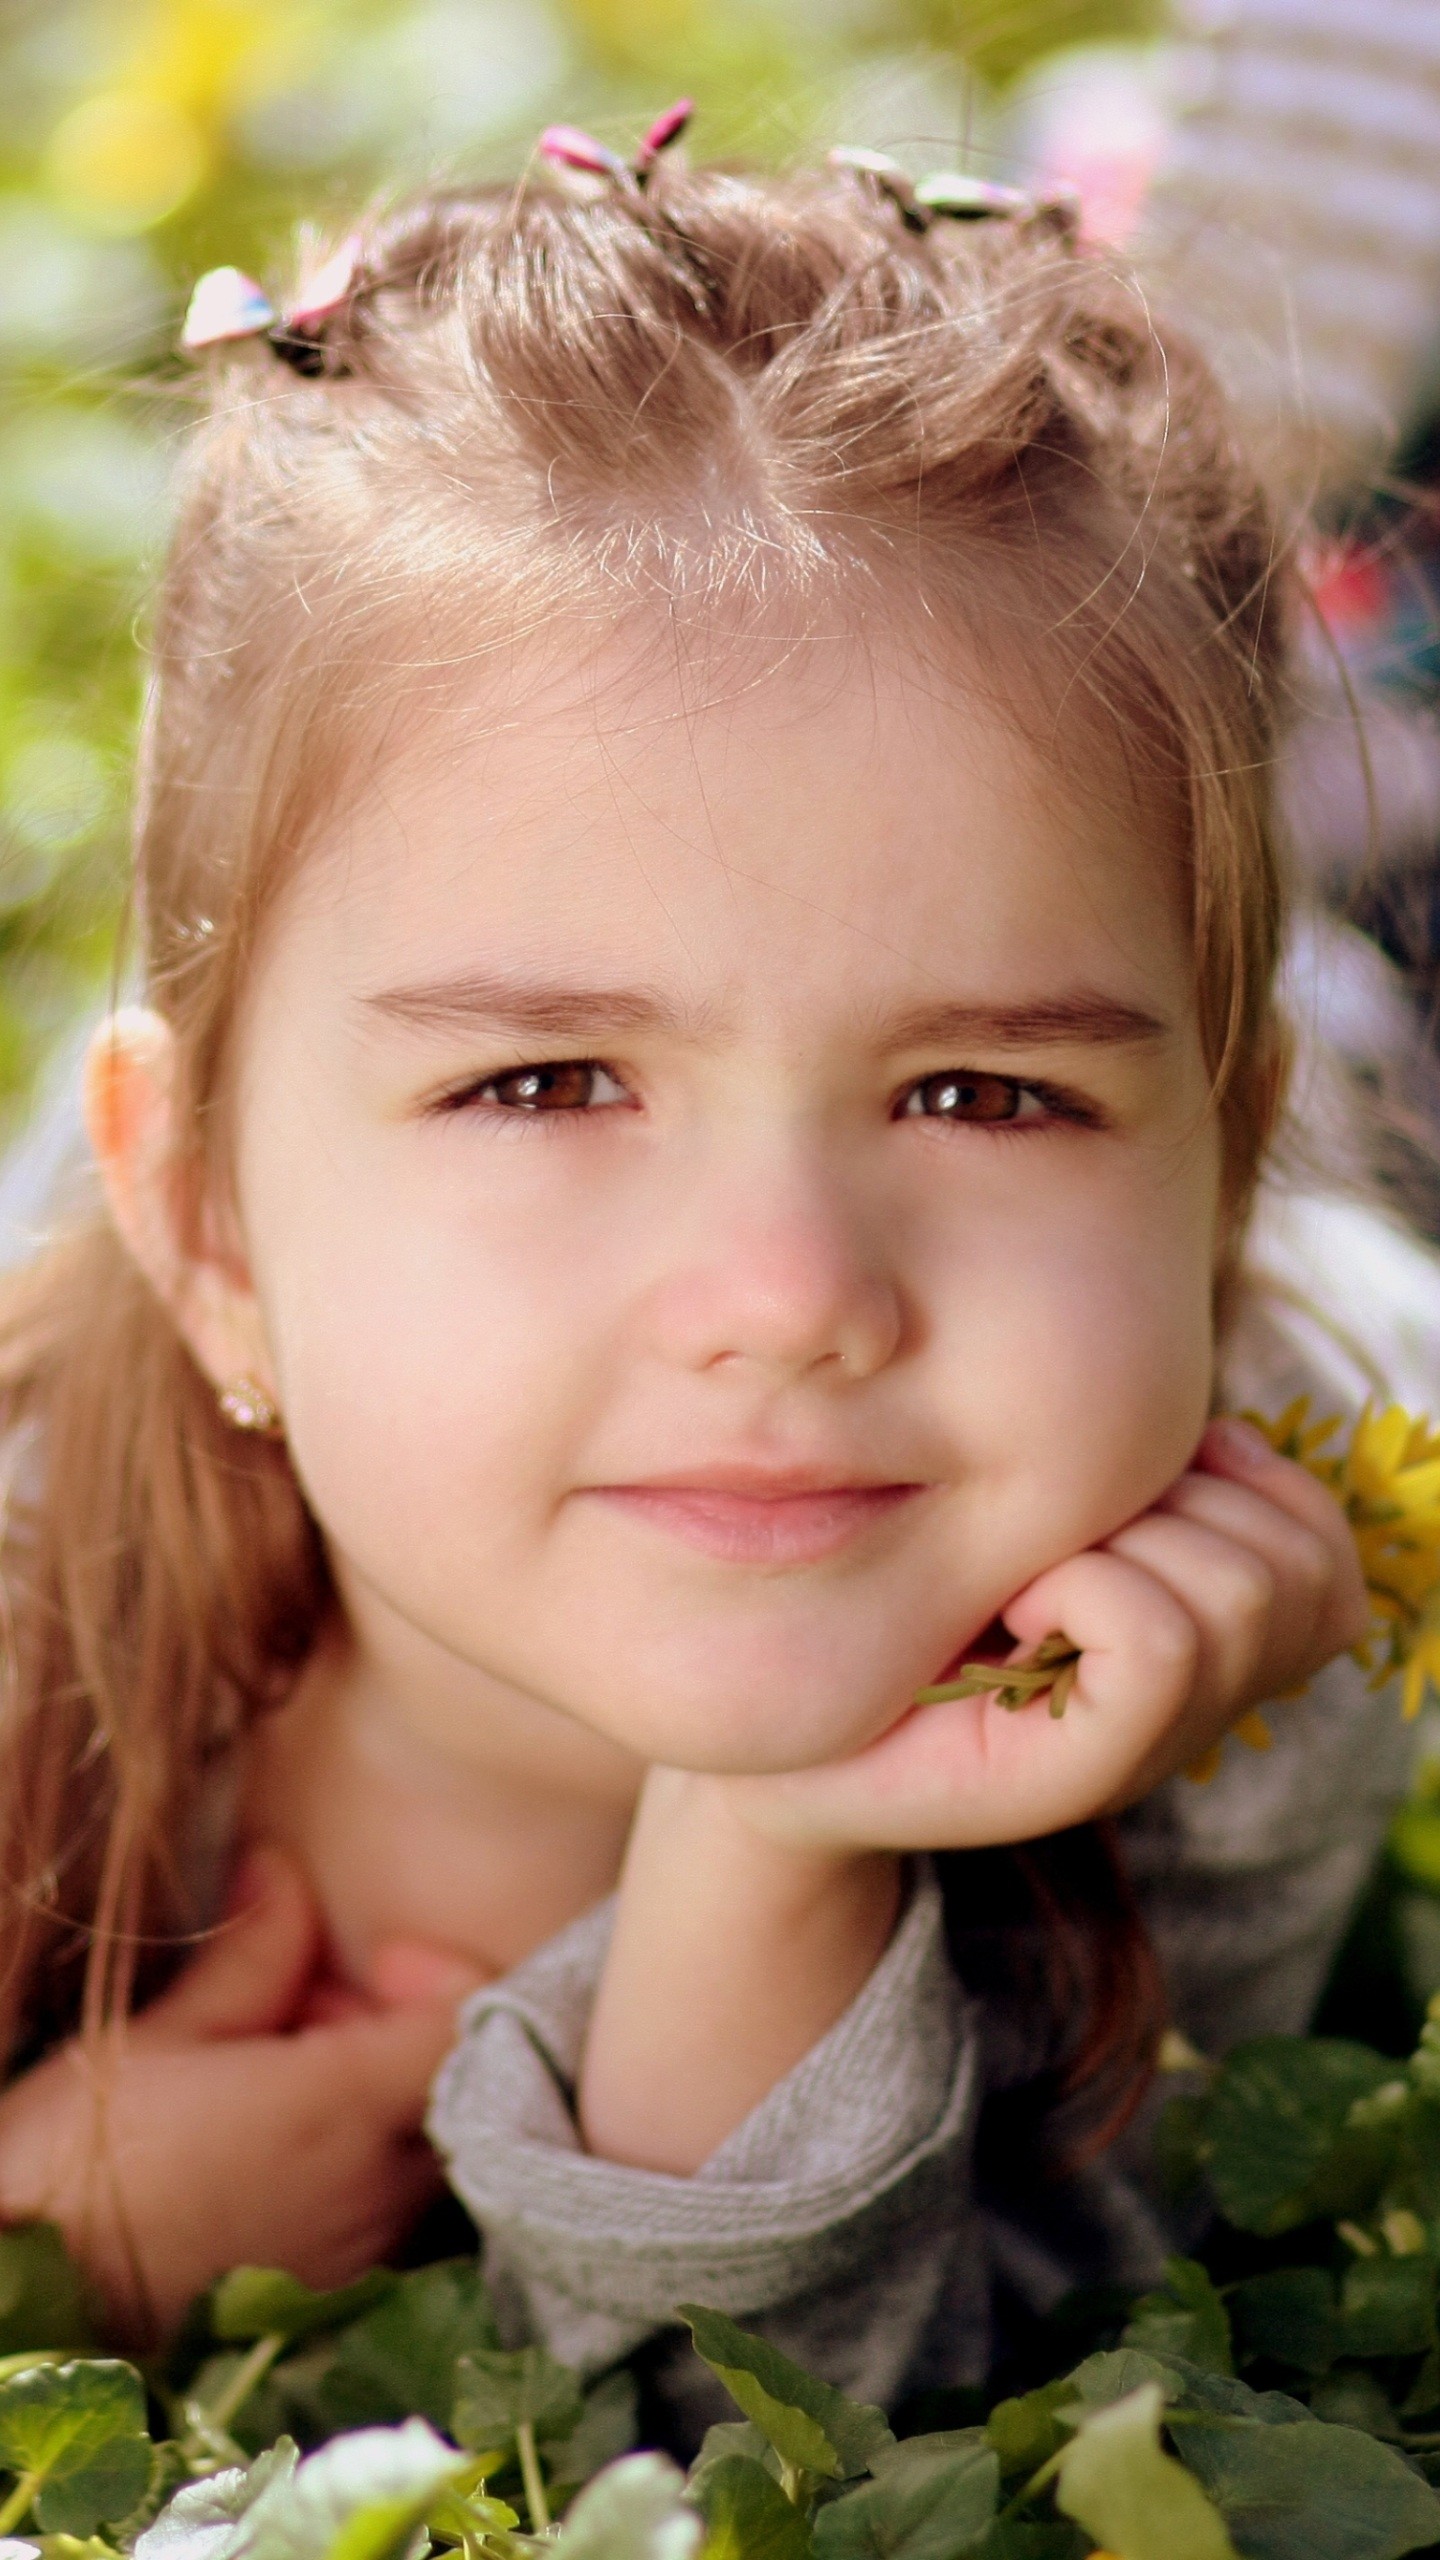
(667, 128)
(328, 291)
(569, 148)
(964, 199)
(888, 176)
(226, 304)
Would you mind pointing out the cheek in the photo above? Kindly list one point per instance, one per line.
(428, 1350)
(1088, 1358)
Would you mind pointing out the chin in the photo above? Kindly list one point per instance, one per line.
(739, 1729)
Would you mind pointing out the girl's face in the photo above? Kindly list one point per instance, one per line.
(727, 1181)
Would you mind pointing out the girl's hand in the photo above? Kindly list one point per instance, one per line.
(244, 2117)
(1238, 1585)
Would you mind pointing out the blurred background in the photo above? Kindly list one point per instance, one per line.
(1272, 165)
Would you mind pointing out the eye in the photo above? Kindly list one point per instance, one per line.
(559, 1085)
(958, 1094)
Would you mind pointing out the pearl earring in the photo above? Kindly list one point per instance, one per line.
(247, 1407)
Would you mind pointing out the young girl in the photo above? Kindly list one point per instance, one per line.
(708, 932)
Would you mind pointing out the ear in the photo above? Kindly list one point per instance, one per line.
(130, 1118)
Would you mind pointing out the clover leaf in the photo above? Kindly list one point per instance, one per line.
(75, 2437)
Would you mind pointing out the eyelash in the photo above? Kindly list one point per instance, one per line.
(1058, 1106)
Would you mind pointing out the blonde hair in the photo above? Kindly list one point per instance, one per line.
(730, 387)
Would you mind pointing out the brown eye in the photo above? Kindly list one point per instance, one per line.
(566, 1084)
(959, 1096)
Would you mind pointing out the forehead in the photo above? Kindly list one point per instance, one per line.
(744, 819)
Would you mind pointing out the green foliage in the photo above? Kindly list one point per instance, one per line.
(812, 2428)
(1187, 2319)
(74, 2435)
(260, 2302)
(1115, 2478)
(43, 2302)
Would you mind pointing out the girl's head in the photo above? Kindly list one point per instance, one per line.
(707, 907)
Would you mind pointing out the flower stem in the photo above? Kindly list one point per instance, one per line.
(530, 2473)
(27, 2488)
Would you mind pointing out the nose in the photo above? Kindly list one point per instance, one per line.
(784, 1277)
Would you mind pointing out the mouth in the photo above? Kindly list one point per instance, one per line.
(742, 1515)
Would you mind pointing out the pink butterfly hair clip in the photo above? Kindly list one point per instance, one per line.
(570, 148)
(227, 306)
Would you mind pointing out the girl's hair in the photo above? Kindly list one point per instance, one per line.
(727, 391)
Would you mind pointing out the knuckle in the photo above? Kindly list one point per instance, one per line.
(1248, 1591)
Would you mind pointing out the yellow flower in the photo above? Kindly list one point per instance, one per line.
(1387, 1481)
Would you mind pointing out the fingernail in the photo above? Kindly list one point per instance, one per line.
(1240, 1441)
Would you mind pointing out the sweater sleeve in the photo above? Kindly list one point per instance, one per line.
(835, 2218)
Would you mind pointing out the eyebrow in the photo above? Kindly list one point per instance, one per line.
(1079, 1018)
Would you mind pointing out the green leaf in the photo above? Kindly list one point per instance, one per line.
(926, 2502)
(1289, 2315)
(264, 2302)
(747, 2514)
(1181, 2146)
(1116, 2480)
(1191, 2387)
(200, 2521)
(44, 2300)
(1387, 2306)
(635, 2511)
(1117, 2371)
(1311, 2492)
(362, 2497)
(811, 2426)
(497, 2394)
(1353, 2396)
(1016, 2538)
(1280, 2148)
(608, 2426)
(1025, 2431)
(733, 2435)
(80, 2430)
(400, 2359)
(1188, 2319)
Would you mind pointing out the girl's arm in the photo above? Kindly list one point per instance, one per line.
(731, 1956)
(751, 1909)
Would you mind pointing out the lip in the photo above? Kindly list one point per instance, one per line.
(753, 1515)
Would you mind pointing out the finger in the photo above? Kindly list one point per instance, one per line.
(387, 2062)
(412, 1973)
(1231, 1593)
(1140, 1646)
(251, 1975)
(1234, 1448)
(1318, 1570)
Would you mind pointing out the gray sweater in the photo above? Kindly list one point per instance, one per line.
(844, 2219)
